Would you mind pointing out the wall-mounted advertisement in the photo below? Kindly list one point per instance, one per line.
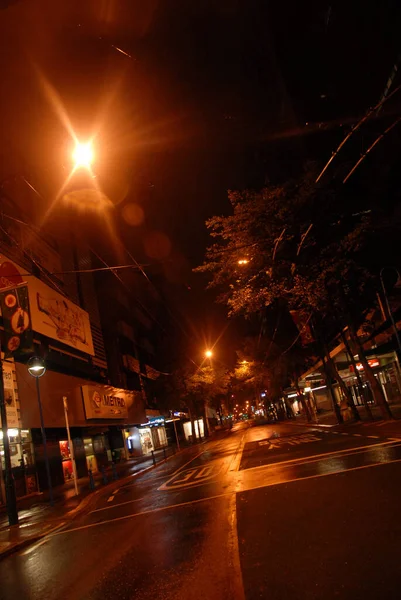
(105, 402)
(52, 314)
(9, 396)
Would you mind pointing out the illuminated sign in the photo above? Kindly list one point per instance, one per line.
(373, 362)
(104, 402)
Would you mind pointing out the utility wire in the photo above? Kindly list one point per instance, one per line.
(377, 140)
(356, 127)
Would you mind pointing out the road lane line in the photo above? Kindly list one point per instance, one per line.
(44, 540)
(235, 464)
(373, 437)
(233, 545)
(110, 499)
(116, 505)
(145, 512)
(394, 442)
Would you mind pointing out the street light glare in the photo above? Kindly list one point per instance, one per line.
(83, 155)
(208, 353)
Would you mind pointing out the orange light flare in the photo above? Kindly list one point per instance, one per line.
(83, 155)
(243, 261)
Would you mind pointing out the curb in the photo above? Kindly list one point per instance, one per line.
(18, 546)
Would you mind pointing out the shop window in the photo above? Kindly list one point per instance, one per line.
(98, 444)
(145, 437)
(90, 455)
(162, 436)
(66, 458)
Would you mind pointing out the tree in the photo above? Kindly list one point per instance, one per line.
(302, 245)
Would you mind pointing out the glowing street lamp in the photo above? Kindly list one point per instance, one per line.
(208, 354)
(243, 261)
(83, 155)
(37, 368)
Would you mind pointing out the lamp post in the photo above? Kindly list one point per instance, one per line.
(37, 368)
(70, 444)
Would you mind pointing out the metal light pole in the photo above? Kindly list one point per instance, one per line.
(11, 499)
(74, 466)
(176, 434)
(37, 368)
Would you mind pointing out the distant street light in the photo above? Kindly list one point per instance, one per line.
(243, 261)
(83, 155)
(208, 353)
(37, 368)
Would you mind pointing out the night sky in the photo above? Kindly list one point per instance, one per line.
(213, 95)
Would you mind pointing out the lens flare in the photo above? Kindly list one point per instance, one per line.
(83, 155)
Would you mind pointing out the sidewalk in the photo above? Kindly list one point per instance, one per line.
(37, 518)
(386, 427)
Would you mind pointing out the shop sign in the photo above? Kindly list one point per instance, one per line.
(53, 315)
(103, 402)
(372, 362)
(156, 420)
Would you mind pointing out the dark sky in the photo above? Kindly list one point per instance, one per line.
(214, 94)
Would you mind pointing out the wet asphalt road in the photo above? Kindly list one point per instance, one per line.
(276, 512)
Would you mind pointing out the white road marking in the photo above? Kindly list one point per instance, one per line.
(206, 499)
(291, 441)
(116, 505)
(188, 463)
(110, 499)
(238, 455)
(43, 541)
(191, 477)
(333, 454)
(373, 437)
(357, 434)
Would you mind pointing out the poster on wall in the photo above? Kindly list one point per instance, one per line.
(58, 318)
(52, 314)
(9, 396)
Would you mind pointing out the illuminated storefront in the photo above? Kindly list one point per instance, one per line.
(147, 437)
(96, 413)
(199, 429)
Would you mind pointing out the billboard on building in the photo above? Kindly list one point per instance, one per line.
(105, 402)
(52, 314)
